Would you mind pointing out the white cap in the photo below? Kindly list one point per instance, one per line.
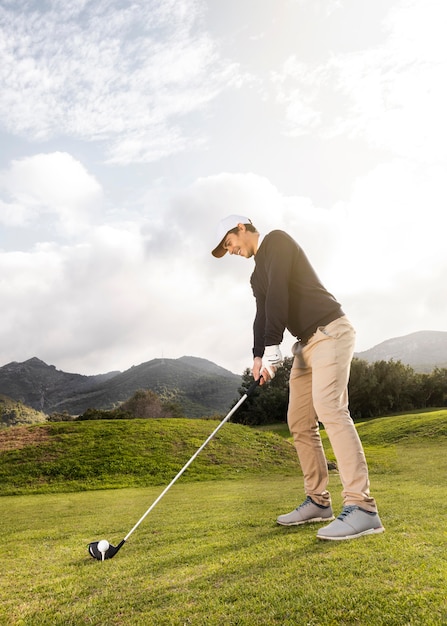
(224, 226)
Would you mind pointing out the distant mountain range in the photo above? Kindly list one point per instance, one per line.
(423, 350)
(200, 387)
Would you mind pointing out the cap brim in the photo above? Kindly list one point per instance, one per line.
(219, 251)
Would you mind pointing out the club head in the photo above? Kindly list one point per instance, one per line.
(102, 556)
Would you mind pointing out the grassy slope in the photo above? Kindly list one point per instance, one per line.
(13, 413)
(414, 426)
(103, 454)
(74, 456)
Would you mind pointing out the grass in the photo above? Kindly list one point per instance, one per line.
(211, 554)
(105, 454)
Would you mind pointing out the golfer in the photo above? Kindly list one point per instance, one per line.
(290, 295)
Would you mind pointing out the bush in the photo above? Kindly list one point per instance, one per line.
(143, 404)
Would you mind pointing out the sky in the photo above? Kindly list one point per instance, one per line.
(129, 128)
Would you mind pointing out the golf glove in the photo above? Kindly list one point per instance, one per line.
(272, 359)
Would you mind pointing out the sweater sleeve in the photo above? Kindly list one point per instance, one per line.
(278, 266)
(259, 327)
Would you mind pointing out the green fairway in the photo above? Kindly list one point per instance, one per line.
(211, 553)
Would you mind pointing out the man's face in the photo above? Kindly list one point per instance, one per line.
(242, 243)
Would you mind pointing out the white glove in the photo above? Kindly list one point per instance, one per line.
(272, 359)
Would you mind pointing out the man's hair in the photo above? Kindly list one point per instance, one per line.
(249, 227)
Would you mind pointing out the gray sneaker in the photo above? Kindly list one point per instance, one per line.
(352, 522)
(306, 513)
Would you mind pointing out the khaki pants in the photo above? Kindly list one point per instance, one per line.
(319, 393)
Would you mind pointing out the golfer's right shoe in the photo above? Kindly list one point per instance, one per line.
(306, 513)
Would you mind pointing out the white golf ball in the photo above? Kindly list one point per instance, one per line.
(103, 545)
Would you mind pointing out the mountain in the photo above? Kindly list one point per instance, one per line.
(423, 350)
(42, 386)
(199, 386)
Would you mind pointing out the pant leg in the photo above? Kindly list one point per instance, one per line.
(303, 425)
(329, 354)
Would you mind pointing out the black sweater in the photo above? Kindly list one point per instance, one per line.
(288, 293)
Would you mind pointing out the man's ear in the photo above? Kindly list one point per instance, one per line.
(242, 227)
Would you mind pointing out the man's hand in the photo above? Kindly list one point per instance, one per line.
(270, 361)
(256, 369)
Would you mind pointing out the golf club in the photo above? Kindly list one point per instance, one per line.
(102, 549)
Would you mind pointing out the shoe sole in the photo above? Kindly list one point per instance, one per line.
(370, 531)
(306, 521)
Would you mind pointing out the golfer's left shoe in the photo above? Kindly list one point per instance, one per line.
(352, 522)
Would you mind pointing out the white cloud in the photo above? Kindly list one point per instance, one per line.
(209, 199)
(13, 214)
(130, 291)
(389, 225)
(103, 71)
(298, 88)
(49, 185)
(389, 95)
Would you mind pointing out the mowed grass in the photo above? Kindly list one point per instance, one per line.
(211, 553)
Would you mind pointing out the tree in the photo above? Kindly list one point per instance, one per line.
(362, 387)
(381, 387)
(268, 404)
(375, 389)
(394, 386)
(143, 404)
(432, 388)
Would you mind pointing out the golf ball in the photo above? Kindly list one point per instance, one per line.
(103, 545)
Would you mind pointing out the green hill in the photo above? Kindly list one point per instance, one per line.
(103, 454)
(14, 413)
(411, 427)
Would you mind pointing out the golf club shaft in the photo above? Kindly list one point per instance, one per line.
(185, 467)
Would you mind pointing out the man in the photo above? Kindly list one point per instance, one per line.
(290, 295)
